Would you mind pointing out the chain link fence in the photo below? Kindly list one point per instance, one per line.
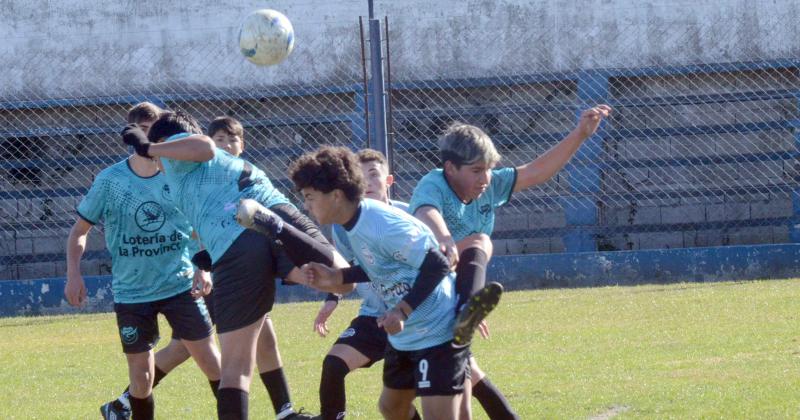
(700, 149)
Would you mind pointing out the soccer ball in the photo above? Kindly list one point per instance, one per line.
(266, 37)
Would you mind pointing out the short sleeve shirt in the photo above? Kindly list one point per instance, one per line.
(390, 246)
(464, 219)
(371, 301)
(208, 193)
(147, 236)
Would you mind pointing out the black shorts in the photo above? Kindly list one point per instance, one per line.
(209, 300)
(434, 371)
(290, 214)
(138, 322)
(244, 282)
(364, 335)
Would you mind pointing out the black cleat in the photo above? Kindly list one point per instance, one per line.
(474, 311)
(114, 410)
(253, 215)
(301, 415)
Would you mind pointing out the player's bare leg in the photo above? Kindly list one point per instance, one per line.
(270, 369)
(171, 356)
(238, 349)
(396, 404)
(206, 355)
(140, 372)
(443, 407)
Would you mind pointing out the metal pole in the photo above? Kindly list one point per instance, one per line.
(378, 87)
(364, 77)
(389, 117)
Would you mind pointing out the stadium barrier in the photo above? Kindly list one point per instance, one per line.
(698, 154)
(516, 272)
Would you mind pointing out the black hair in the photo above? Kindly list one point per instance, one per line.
(171, 123)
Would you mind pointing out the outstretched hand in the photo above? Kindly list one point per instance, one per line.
(318, 275)
(321, 322)
(591, 118)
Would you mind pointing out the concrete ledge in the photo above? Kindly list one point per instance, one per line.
(516, 272)
(591, 269)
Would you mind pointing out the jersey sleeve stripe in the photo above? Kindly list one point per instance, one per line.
(513, 185)
(89, 221)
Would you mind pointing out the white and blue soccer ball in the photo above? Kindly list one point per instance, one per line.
(266, 37)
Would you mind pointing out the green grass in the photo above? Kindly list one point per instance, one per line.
(717, 350)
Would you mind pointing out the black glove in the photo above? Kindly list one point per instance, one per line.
(202, 260)
(132, 135)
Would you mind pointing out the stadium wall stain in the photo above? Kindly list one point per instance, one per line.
(516, 272)
(85, 47)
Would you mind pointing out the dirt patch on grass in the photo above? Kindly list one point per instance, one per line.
(612, 412)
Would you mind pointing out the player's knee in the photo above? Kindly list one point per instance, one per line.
(478, 240)
(334, 367)
(476, 374)
(392, 407)
(141, 384)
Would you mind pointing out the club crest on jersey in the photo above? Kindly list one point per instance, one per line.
(348, 333)
(165, 193)
(129, 334)
(485, 209)
(150, 216)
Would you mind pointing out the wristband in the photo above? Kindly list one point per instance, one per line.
(354, 274)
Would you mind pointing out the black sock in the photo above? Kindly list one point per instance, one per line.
(332, 398)
(158, 376)
(492, 400)
(278, 389)
(142, 408)
(470, 274)
(416, 415)
(302, 248)
(232, 404)
(214, 387)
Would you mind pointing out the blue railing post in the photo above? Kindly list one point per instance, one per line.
(583, 171)
(794, 221)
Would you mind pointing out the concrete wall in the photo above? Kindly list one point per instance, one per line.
(87, 47)
(43, 297)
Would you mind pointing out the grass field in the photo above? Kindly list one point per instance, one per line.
(716, 350)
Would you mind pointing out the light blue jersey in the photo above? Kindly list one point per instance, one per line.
(371, 301)
(148, 238)
(390, 246)
(464, 219)
(208, 193)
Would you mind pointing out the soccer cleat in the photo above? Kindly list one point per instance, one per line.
(253, 215)
(114, 410)
(301, 415)
(474, 311)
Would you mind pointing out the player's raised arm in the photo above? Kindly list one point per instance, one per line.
(195, 148)
(550, 162)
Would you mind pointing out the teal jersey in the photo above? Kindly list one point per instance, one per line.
(208, 193)
(464, 219)
(371, 302)
(390, 246)
(148, 237)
